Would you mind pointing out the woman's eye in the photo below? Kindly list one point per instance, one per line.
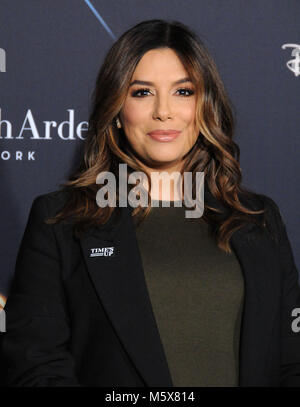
(141, 92)
(137, 93)
(190, 91)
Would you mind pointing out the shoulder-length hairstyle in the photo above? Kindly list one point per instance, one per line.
(214, 153)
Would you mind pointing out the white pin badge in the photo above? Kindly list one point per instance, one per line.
(102, 251)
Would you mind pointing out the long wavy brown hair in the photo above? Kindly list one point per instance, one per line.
(106, 146)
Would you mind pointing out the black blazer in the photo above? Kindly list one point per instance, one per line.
(77, 319)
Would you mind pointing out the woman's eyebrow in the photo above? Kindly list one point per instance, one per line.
(138, 82)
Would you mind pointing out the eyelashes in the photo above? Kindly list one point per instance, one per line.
(137, 93)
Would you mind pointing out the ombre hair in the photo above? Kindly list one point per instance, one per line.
(106, 146)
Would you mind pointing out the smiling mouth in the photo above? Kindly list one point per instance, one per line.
(164, 136)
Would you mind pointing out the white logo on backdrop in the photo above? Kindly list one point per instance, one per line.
(33, 130)
(2, 60)
(293, 64)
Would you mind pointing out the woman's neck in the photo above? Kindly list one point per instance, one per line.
(165, 186)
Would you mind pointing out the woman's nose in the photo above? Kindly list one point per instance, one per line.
(162, 108)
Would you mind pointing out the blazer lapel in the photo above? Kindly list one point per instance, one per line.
(120, 284)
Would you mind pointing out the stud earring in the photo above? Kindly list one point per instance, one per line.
(118, 123)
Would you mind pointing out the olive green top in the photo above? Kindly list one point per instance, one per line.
(197, 293)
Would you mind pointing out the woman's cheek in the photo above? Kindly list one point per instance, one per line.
(134, 115)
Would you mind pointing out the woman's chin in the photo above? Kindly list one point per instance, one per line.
(165, 164)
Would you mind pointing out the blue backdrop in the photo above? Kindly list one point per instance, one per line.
(50, 53)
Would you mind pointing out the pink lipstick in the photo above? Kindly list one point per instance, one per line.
(164, 135)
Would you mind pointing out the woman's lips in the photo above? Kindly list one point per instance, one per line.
(167, 135)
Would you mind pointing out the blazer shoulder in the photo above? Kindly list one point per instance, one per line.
(271, 216)
(272, 210)
(54, 201)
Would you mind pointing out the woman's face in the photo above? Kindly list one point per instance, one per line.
(162, 104)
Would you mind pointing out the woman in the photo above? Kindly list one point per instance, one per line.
(144, 296)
